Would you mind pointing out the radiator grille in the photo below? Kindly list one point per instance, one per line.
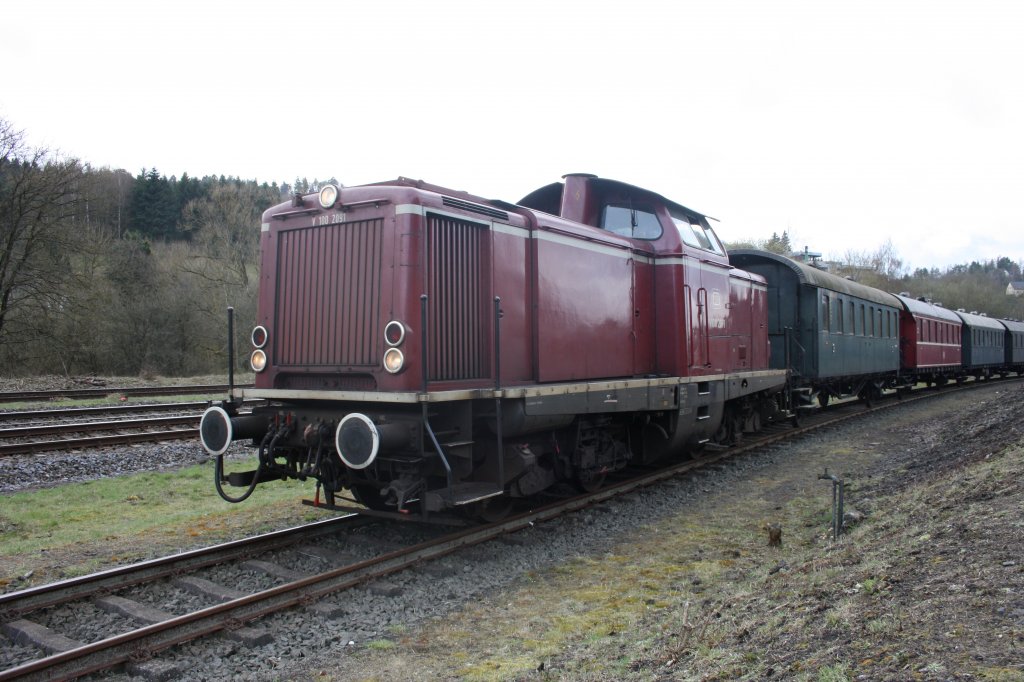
(328, 295)
(456, 291)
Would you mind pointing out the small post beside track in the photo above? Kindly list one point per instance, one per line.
(837, 503)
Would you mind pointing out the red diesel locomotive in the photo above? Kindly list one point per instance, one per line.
(426, 349)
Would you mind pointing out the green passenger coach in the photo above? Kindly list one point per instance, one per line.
(837, 337)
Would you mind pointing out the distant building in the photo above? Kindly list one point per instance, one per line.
(1015, 289)
(812, 258)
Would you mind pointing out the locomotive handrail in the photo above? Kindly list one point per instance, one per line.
(497, 392)
(438, 449)
(425, 361)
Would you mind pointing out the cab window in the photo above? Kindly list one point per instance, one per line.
(695, 234)
(630, 222)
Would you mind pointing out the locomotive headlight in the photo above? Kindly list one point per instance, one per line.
(258, 360)
(393, 360)
(259, 336)
(328, 196)
(394, 333)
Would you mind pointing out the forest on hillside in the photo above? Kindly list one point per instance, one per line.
(106, 272)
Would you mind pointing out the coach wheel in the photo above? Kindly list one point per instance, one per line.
(794, 419)
(823, 399)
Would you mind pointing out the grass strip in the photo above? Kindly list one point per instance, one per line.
(73, 529)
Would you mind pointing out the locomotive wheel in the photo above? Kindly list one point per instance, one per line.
(589, 480)
(493, 509)
(369, 497)
(730, 431)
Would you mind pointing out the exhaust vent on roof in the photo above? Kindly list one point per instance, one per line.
(474, 208)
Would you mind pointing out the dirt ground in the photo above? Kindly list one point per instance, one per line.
(927, 583)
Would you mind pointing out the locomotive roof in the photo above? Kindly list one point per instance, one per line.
(917, 307)
(975, 320)
(805, 274)
(549, 197)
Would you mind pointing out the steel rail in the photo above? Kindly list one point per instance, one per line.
(28, 396)
(22, 602)
(97, 441)
(85, 427)
(108, 409)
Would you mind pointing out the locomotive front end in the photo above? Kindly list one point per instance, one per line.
(350, 280)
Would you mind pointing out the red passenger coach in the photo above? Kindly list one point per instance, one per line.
(426, 349)
(930, 341)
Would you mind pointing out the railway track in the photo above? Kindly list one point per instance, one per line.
(100, 411)
(82, 393)
(24, 433)
(285, 586)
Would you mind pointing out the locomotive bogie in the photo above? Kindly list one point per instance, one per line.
(571, 432)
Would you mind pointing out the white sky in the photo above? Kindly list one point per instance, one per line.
(845, 123)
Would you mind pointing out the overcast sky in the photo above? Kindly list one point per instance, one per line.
(845, 123)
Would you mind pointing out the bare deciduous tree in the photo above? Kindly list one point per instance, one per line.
(38, 235)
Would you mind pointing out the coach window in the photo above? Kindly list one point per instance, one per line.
(630, 221)
(826, 313)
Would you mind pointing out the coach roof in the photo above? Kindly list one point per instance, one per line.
(805, 274)
(916, 306)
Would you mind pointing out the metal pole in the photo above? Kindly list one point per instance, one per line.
(231, 353)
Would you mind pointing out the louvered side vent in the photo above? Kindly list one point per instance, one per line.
(456, 299)
(328, 296)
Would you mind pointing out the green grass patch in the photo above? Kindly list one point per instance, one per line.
(114, 519)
